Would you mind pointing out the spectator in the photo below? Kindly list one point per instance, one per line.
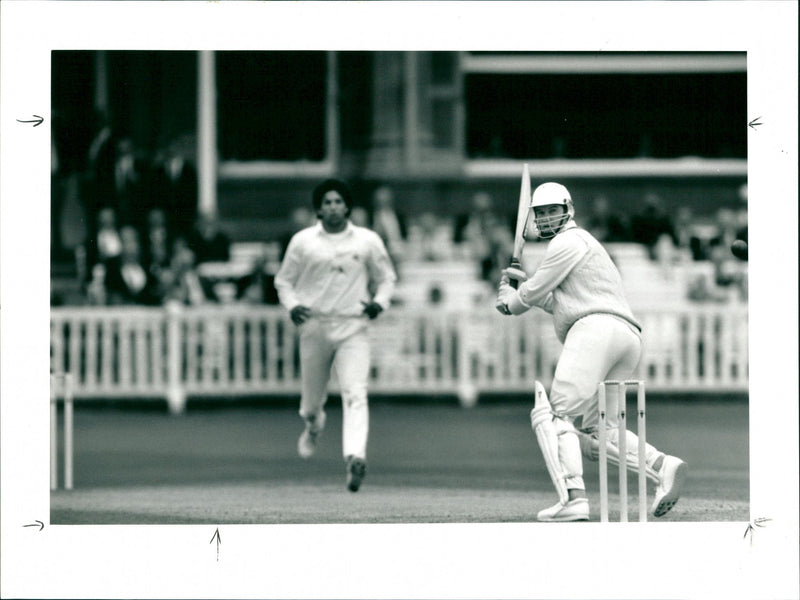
(157, 243)
(728, 277)
(501, 247)
(471, 227)
(101, 154)
(127, 281)
(727, 274)
(181, 282)
(701, 241)
(388, 223)
(481, 231)
(258, 287)
(128, 181)
(651, 224)
(359, 216)
(435, 294)
(73, 128)
(102, 244)
(174, 184)
(727, 227)
(100, 165)
(96, 287)
(72, 234)
(433, 247)
(208, 242)
(684, 222)
(701, 289)
(106, 242)
(605, 225)
(300, 218)
(741, 213)
(741, 251)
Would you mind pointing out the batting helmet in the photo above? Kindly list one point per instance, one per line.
(549, 194)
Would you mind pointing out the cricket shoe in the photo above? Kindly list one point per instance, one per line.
(671, 477)
(307, 444)
(576, 509)
(356, 470)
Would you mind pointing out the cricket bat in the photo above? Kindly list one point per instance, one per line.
(523, 210)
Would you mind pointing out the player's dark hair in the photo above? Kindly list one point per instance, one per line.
(332, 185)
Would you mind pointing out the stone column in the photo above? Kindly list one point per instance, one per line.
(206, 133)
(386, 153)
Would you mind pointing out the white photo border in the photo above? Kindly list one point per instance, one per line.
(670, 560)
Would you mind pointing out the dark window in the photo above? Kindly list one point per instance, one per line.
(74, 121)
(271, 105)
(355, 99)
(606, 115)
(152, 95)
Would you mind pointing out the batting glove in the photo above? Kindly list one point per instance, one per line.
(515, 274)
(300, 314)
(504, 295)
(372, 309)
(509, 301)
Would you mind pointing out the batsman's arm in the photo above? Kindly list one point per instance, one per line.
(561, 258)
(547, 305)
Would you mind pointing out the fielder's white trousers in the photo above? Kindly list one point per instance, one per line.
(340, 344)
(597, 348)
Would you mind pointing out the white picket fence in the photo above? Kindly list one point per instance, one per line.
(229, 351)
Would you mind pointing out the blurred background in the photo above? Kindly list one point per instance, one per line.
(178, 178)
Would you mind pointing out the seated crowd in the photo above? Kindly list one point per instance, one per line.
(155, 262)
(126, 265)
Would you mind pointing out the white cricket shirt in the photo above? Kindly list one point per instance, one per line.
(576, 278)
(333, 273)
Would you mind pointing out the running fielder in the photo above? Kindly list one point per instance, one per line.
(324, 282)
(579, 285)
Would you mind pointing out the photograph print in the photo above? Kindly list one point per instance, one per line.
(270, 292)
(398, 300)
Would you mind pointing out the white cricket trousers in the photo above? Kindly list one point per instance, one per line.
(598, 347)
(340, 344)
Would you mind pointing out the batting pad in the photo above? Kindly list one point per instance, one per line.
(590, 448)
(569, 452)
(546, 436)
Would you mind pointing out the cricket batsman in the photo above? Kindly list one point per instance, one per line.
(324, 282)
(580, 286)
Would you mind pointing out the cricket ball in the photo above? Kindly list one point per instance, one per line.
(739, 249)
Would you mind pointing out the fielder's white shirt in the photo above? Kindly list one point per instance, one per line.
(332, 273)
(575, 279)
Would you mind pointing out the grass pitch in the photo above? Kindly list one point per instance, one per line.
(427, 463)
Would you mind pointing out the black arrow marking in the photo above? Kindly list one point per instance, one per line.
(38, 524)
(754, 123)
(38, 120)
(219, 541)
(751, 527)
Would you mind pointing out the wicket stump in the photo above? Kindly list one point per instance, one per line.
(61, 382)
(622, 427)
